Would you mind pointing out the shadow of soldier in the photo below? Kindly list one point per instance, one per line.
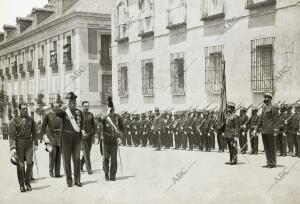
(124, 177)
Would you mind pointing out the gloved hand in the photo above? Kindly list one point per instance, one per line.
(284, 134)
(13, 151)
(298, 133)
(243, 133)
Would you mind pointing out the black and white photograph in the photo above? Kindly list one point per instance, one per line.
(150, 101)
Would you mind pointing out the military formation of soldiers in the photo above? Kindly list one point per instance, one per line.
(68, 130)
(199, 129)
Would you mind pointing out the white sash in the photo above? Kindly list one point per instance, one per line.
(72, 120)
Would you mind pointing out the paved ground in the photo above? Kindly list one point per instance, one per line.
(147, 178)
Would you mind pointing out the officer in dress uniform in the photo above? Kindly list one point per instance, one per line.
(72, 132)
(279, 131)
(22, 135)
(113, 131)
(52, 127)
(266, 125)
(156, 128)
(87, 139)
(231, 133)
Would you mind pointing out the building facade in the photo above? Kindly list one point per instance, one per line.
(65, 46)
(170, 53)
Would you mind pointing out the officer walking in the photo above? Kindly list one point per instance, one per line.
(87, 139)
(113, 130)
(266, 126)
(52, 127)
(22, 135)
(72, 131)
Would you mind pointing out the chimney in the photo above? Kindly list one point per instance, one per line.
(8, 30)
(40, 14)
(1, 37)
(23, 23)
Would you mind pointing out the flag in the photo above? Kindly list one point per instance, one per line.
(223, 94)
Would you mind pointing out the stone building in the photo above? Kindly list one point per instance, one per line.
(169, 53)
(64, 46)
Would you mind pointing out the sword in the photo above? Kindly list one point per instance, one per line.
(120, 160)
(36, 164)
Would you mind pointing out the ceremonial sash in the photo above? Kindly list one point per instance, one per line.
(72, 120)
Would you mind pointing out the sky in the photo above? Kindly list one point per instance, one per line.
(10, 9)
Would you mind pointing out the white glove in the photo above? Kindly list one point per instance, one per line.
(223, 134)
(13, 151)
(208, 134)
(243, 133)
(119, 141)
(298, 133)
(46, 139)
(284, 134)
(253, 133)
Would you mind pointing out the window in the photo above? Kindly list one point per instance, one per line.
(31, 55)
(212, 9)
(176, 14)
(67, 52)
(42, 51)
(262, 65)
(257, 3)
(52, 97)
(146, 17)
(106, 87)
(122, 80)
(122, 19)
(22, 57)
(213, 59)
(147, 77)
(177, 74)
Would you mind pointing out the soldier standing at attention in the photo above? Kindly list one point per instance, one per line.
(266, 125)
(231, 133)
(87, 139)
(156, 128)
(252, 124)
(292, 127)
(72, 131)
(52, 127)
(22, 135)
(113, 131)
(243, 119)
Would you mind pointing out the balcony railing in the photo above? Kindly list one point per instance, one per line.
(41, 66)
(259, 3)
(146, 27)
(105, 56)
(22, 70)
(122, 33)
(212, 9)
(176, 17)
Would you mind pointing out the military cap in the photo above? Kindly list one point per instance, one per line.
(269, 94)
(243, 108)
(231, 104)
(254, 108)
(71, 95)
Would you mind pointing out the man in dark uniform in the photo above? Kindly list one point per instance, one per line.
(243, 119)
(87, 139)
(252, 124)
(22, 135)
(231, 133)
(113, 130)
(72, 131)
(279, 131)
(156, 128)
(292, 127)
(52, 127)
(266, 126)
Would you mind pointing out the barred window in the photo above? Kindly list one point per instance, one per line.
(106, 87)
(122, 20)
(212, 8)
(262, 65)
(147, 77)
(122, 80)
(146, 16)
(52, 97)
(213, 58)
(177, 74)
